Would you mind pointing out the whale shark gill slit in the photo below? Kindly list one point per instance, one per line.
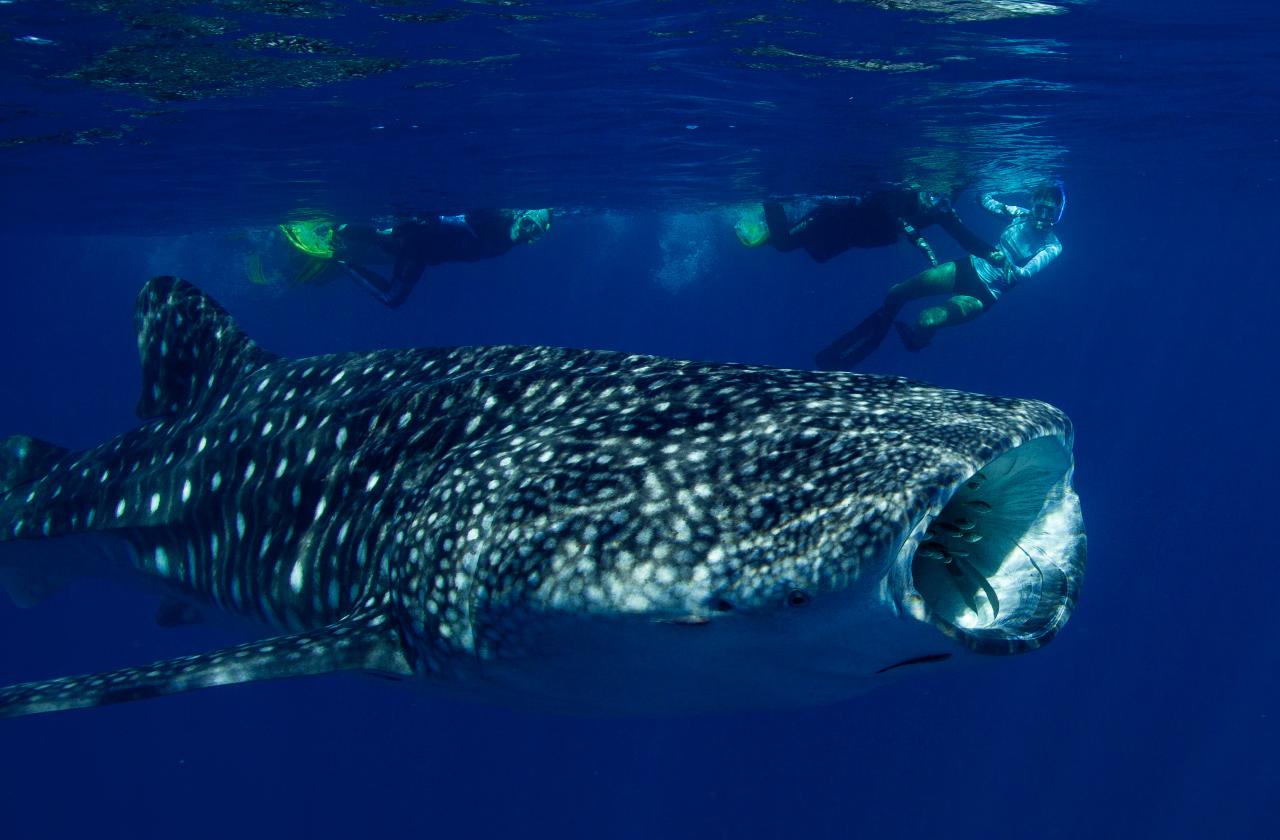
(917, 660)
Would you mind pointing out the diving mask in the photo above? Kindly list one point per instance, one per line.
(1047, 205)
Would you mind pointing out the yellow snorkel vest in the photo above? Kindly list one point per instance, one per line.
(313, 238)
(313, 242)
(751, 227)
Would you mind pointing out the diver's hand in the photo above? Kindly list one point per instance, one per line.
(996, 258)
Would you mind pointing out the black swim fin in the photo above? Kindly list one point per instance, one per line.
(857, 344)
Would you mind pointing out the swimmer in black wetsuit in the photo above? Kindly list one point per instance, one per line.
(871, 221)
(413, 245)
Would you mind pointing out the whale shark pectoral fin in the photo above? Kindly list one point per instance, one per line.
(366, 643)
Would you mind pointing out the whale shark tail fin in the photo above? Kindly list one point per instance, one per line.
(190, 348)
(359, 643)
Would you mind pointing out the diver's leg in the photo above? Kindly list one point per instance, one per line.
(861, 341)
(374, 283)
(939, 280)
(404, 276)
(959, 309)
(775, 217)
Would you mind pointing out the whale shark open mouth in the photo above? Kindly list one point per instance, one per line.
(998, 568)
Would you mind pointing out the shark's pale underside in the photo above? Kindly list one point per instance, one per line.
(568, 529)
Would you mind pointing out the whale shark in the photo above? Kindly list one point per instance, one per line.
(578, 530)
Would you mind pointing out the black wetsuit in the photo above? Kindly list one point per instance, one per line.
(871, 221)
(414, 245)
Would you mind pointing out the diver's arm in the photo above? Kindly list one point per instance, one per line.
(914, 237)
(405, 274)
(388, 292)
(968, 240)
(1043, 257)
(781, 234)
(1007, 211)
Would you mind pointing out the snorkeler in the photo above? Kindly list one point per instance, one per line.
(871, 221)
(1027, 245)
(412, 245)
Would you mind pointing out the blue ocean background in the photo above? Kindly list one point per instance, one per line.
(156, 138)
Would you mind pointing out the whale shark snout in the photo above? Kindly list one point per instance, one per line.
(998, 566)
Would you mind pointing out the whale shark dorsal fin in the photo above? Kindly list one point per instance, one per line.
(190, 348)
(366, 643)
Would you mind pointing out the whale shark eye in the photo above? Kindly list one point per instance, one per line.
(797, 598)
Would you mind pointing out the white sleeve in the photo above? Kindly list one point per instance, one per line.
(990, 204)
(1043, 257)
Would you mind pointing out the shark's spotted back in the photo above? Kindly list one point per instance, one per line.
(569, 528)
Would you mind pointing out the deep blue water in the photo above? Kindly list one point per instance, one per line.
(1154, 714)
